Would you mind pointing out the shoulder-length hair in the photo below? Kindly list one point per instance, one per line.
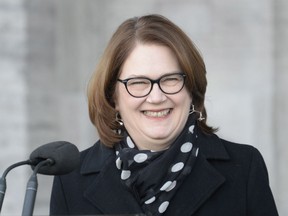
(154, 29)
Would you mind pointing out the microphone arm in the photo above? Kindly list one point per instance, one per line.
(3, 185)
(31, 189)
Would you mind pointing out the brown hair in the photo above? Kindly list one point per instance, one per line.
(154, 29)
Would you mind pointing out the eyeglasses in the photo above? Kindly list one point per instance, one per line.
(142, 86)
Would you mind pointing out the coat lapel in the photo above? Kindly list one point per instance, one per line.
(197, 188)
(203, 181)
(106, 192)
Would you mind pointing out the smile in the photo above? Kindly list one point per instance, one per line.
(157, 114)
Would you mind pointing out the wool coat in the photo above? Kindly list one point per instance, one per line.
(227, 179)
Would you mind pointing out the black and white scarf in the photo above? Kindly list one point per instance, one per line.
(154, 177)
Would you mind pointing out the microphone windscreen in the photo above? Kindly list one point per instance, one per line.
(65, 157)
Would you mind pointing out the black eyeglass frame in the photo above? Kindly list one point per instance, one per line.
(152, 81)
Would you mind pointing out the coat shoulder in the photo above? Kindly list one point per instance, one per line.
(246, 152)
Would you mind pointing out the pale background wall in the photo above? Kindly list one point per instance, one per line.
(48, 49)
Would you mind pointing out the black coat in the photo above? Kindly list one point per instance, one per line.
(228, 179)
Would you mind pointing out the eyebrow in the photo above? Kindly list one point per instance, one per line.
(145, 77)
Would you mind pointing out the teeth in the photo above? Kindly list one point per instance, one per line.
(157, 114)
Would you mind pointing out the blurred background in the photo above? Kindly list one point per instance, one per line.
(48, 50)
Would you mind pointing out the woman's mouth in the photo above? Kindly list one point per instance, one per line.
(157, 114)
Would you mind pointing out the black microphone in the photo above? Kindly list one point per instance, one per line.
(64, 158)
(57, 158)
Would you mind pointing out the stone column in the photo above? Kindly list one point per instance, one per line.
(281, 103)
(13, 90)
(42, 89)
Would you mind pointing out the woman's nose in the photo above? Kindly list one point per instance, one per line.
(156, 95)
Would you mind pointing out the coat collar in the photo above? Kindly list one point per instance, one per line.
(106, 192)
(95, 158)
(211, 147)
(196, 189)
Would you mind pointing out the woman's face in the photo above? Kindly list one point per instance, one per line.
(153, 121)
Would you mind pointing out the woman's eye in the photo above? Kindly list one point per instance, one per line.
(138, 82)
(170, 79)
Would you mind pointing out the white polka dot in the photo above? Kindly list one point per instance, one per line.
(130, 143)
(171, 186)
(166, 185)
(186, 147)
(191, 128)
(177, 167)
(140, 158)
(118, 163)
(117, 152)
(151, 200)
(125, 174)
(197, 151)
(162, 208)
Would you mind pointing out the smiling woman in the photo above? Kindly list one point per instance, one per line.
(150, 31)
(156, 154)
(156, 119)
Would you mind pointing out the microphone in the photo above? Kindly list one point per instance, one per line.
(64, 157)
(56, 158)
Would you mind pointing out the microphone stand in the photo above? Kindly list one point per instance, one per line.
(3, 185)
(31, 189)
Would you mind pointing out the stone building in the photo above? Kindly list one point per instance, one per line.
(48, 49)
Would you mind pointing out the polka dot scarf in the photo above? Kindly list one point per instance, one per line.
(154, 177)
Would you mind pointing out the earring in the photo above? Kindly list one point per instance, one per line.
(192, 110)
(118, 119)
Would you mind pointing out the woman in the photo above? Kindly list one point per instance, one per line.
(156, 154)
